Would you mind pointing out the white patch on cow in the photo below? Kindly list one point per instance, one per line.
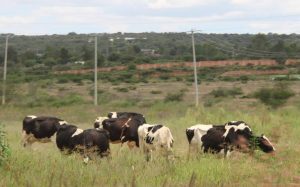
(114, 115)
(86, 160)
(100, 120)
(199, 131)
(62, 122)
(31, 116)
(241, 126)
(269, 142)
(77, 132)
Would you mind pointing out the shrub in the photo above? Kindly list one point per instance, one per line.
(224, 92)
(122, 89)
(171, 97)
(274, 97)
(244, 79)
(4, 148)
(156, 92)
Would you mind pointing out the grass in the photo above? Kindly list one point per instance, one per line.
(46, 166)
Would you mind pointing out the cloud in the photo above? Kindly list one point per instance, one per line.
(158, 4)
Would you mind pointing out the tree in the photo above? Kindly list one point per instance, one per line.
(259, 42)
(12, 54)
(87, 54)
(64, 56)
(279, 46)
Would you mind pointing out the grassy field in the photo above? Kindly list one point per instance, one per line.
(46, 166)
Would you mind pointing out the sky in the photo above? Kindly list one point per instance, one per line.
(37, 17)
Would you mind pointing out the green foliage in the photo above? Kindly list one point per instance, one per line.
(174, 97)
(226, 92)
(4, 148)
(156, 92)
(276, 96)
(121, 89)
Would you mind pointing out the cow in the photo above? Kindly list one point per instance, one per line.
(39, 129)
(132, 115)
(156, 138)
(121, 130)
(71, 139)
(215, 138)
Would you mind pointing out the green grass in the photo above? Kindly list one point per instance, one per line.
(46, 166)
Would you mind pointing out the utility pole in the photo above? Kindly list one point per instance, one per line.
(95, 75)
(4, 71)
(195, 70)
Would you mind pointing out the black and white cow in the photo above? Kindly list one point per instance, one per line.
(155, 138)
(70, 139)
(120, 130)
(39, 129)
(216, 138)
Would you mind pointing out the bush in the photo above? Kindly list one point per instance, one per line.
(224, 92)
(122, 89)
(274, 97)
(171, 97)
(4, 148)
(155, 92)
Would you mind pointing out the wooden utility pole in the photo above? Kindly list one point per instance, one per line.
(195, 70)
(4, 71)
(95, 75)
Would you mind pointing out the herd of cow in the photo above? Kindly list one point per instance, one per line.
(122, 127)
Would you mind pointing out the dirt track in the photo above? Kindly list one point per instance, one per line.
(222, 63)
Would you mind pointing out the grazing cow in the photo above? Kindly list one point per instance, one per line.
(70, 138)
(156, 138)
(264, 144)
(121, 130)
(39, 129)
(132, 115)
(215, 138)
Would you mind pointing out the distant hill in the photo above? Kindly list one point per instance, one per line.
(140, 48)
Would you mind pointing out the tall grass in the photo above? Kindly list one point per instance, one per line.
(46, 166)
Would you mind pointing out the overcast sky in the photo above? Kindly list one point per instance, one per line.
(88, 16)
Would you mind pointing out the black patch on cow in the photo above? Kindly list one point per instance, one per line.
(149, 140)
(155, 128)
(190, 134)
(213, 140)
(149, 129)
(236, 123)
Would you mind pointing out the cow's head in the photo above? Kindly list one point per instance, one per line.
(98, 122)
(264, 144)
(112, 115)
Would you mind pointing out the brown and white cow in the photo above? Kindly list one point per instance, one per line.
(39, 129)
(121, 130)
(122, 127)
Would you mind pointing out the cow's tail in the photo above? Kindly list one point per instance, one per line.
(171, 139)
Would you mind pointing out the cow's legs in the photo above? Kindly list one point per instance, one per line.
(131, 144)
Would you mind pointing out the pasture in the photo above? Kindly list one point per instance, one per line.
(46, 166)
